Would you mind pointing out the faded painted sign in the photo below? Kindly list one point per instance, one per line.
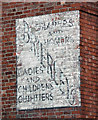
(48, 67)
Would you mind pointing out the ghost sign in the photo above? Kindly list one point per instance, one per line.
(48, 66)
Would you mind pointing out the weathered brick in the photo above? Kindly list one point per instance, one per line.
(88, 63)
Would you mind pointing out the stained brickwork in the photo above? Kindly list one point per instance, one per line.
(88, 61)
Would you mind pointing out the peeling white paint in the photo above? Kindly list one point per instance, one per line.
(48, 67)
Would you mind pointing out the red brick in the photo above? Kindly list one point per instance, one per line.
(58, 7)
(55, 11)
(50, 8)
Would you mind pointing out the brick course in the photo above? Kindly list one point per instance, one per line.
(88, 22)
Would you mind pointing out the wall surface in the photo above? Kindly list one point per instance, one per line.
(0, 60)
(48, 67)
(14, 18)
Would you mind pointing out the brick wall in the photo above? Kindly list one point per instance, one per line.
(88, 55)
(0, 59)
(88, 20)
